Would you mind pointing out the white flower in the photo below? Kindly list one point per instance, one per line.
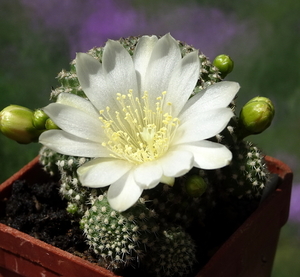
(139, 124)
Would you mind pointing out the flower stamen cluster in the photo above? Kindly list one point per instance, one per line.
(138, 133)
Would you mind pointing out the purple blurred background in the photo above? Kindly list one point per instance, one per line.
(90, 23)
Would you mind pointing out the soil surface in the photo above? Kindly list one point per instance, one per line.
(39, 211)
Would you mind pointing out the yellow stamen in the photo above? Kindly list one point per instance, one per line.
(138, 132)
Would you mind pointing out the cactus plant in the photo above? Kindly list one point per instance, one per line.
(155, 232)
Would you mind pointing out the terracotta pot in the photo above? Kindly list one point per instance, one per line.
(249, 251)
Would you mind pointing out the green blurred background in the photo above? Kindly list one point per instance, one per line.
(39, 38)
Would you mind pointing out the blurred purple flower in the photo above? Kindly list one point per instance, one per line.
(107, 21)
(89, 23)
(85, 23)
(295, 204)
(206, 28)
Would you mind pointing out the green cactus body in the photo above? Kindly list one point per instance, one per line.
(48, 160)
(248, 171)
(120, 239)
(173, 254)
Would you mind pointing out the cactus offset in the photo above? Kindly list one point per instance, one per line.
(120, 239)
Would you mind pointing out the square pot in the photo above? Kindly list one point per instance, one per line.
(249, 252)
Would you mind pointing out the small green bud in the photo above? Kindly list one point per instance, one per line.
(195, 185)
(39, 119)
(16, 123)
(224, 63)
(256, 116)
(50, 124)
(72, 208)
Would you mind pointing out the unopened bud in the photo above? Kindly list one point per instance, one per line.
(50, 124)
(39, 119)
(195, 185)
(16, 123)
(256, 116)
(224, 63)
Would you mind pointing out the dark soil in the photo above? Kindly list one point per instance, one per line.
(39, 211)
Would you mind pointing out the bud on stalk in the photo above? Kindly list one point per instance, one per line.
(16, 123)
(256, 116)
(224, 63)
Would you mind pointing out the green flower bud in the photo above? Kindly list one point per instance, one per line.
(50, 124)
(224, 63)
(256, 116)
(39, 119)
(195, 185)
(16, 123)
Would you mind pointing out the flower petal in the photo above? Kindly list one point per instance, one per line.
(183, 81)
(76, 122)
(100, 81)
(77, 102)
(120, 75)
(208, 155)
(202, 125)
(148, 175)
(68, 144)
(165, 57)
(218, 95)
(90, 75)
(102, 172)
(176, 162)
(141, 57)
(124, 193)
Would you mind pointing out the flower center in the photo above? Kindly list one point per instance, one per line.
(138, 132)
